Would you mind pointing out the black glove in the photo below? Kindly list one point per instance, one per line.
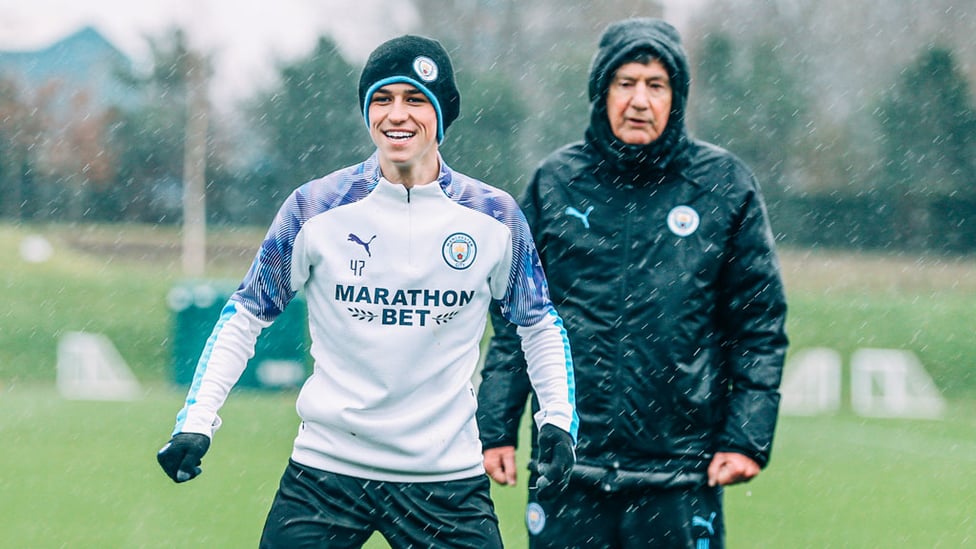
(556, 459)
(181, 456)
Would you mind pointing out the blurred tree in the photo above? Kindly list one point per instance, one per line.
(149, 140)
(929, 128)
(311, 122)
(563, 115)
(928, 131)
(24, 134)
(748, 100)
(78, 160)
(14, 115)
(842, 171)
(483, 142)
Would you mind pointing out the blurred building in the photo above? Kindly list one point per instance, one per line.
(59, 105)
(79, 72)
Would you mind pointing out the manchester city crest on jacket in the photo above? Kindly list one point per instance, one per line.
(683, 220)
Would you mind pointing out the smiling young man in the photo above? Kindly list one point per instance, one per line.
(400, 258)
(403, 125)
(661, 262)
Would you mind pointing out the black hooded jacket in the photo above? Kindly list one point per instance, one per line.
(661, 262)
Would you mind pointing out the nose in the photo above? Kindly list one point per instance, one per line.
(398, 110)
(642, 96)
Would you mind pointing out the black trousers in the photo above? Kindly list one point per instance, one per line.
(585, 517)
(319, 509)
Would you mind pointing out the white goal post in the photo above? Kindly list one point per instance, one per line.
(883, 383)
(90, 368)
(893, 383)
(811, 382)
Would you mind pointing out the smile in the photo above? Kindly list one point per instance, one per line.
(398, 135)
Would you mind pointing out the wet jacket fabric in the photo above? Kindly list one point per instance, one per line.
(662, 265)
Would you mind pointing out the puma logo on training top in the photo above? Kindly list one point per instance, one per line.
(365, 245)
(584, 217)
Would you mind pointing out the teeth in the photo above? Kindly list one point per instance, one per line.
(398, 135)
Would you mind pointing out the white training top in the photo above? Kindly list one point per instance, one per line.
(398, 283)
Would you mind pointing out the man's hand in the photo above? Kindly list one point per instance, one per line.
(731, 468)
(556, 459)
(500, 464)
(181, 456)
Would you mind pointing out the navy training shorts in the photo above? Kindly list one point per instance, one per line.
(584, 517)
(315, 508)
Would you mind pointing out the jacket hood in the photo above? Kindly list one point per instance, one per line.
(620, 43)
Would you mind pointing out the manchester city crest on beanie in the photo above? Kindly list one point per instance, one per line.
(418, 61)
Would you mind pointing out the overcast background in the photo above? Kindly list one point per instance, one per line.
(246, 37)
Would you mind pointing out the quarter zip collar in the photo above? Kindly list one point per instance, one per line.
(410, 194)
(445, 177)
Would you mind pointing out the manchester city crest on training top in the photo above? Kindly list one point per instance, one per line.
(425, 68)
(459, 251)
(683, 220)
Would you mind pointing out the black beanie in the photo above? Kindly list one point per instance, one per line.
(420, 62)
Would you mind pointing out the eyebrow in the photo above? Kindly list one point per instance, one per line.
(661, 77)
(410, 91)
